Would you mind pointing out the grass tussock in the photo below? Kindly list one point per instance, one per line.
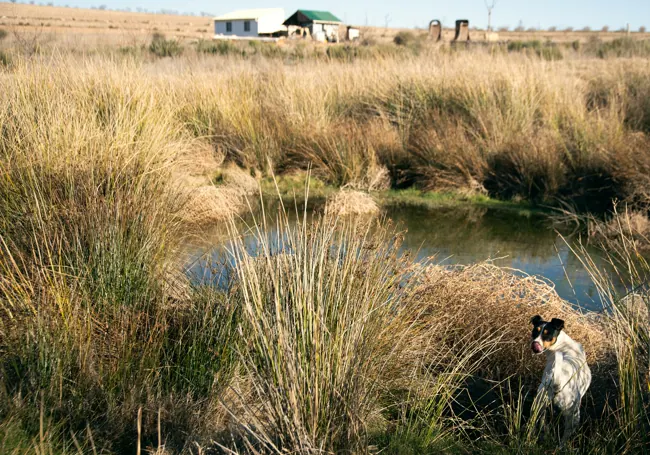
(351, 203)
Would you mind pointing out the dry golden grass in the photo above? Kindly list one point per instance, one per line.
(483, 298)
(347, 202)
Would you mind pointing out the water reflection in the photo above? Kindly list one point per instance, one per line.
(456, 235)
(510, 239)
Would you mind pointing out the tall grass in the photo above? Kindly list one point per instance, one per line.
(89, 332)
(326, 338)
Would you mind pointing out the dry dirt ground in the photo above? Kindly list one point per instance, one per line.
(90, 27)
(87, 27)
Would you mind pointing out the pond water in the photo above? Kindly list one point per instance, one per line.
(518, 240)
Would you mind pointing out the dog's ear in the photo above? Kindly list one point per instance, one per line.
(557, 323)
(536, 320)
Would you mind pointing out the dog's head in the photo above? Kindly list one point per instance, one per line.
(544, 333)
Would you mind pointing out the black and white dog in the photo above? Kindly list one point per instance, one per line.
(566, 376)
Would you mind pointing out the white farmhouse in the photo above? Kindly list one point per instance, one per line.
(250, 23)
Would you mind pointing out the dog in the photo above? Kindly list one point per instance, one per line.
(567, 376)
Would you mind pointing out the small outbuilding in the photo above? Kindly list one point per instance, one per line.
(353, 34)
(321, 25)
(250, 23)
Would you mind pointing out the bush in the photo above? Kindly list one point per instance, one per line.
(220, 47)
(268, 50)
(546, 51)
(343, 52)
(620, 47)
(3, 34)
(404, 38)
(5, 59)
(162, 47)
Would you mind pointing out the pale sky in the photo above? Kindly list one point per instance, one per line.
(418, 13)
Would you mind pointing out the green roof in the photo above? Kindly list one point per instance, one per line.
(303, 17)
(320, 15)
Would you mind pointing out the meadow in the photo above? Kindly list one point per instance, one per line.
(326, 339)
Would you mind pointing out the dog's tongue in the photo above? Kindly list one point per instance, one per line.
(537, 348)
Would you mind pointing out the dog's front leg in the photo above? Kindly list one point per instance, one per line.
(571, 422)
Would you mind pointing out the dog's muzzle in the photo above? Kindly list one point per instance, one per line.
(536, 347)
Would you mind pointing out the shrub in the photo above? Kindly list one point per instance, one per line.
(405, 38)
(3, 34)
(546, 51)
(620, 47)
(162, 47)
(5, 59)
(268, 50)
(221, 47)
(605, 29)
(343, 52)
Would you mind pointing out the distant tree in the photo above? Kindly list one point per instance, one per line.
(605, 29)
(490, 6)
(553, 28)
(568, 29)
(586, 29)
(531, 29)
(520, 27)
(13, 1)
(642, 29)
(504, 28)
(102, 7)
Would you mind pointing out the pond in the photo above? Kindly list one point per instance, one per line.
(523, 241)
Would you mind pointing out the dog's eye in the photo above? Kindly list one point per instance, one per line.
(537, 329)
(545, 332)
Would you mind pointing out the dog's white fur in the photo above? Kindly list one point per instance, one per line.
(566, 379)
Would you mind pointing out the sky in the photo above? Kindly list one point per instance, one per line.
(418, 13)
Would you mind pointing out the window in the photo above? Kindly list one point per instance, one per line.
(228, 27)
(247, 26)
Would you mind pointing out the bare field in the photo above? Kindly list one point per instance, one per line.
(115, 26)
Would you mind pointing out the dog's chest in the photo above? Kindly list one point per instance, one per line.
(563, 381)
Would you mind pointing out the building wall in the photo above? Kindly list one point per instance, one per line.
(271, 23)
(237, 28)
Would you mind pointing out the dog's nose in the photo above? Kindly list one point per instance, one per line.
(536, 347)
